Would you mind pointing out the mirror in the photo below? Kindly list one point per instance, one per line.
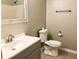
(14, 11)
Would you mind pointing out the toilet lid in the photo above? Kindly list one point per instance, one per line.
(53, 43)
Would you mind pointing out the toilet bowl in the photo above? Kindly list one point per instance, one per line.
(50, 47)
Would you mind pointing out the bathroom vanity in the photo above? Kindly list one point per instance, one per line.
(25, 47)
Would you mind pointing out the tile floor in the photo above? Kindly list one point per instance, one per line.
(62, 55)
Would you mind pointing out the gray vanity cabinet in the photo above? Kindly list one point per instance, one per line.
(32, 52)
(34, 55)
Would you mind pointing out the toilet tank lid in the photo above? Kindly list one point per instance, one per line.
(43, 31)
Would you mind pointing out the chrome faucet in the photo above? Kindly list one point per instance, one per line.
(10, 38)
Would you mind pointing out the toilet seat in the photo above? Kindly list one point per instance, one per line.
(53, 43)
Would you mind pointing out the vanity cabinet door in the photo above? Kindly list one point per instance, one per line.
(36, 54)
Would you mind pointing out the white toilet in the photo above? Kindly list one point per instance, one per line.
(51, 46)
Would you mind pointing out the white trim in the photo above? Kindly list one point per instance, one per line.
(13, 21)
(68, 50)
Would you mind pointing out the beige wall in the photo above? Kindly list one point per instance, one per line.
(37, 15)
(65, 22)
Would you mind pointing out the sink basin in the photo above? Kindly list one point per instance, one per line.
(15, 45)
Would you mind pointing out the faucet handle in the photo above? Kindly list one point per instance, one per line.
(10, 37)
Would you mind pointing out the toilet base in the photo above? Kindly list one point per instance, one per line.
(51, 51)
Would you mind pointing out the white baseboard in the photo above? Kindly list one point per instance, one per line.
(68, 50)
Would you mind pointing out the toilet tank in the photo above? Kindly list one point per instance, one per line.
(43, 35)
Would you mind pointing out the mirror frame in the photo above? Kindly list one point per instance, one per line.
(18, 20)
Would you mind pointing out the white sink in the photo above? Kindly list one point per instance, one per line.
(19, 44)
(15, 44)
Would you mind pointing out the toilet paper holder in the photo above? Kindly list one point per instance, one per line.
(59, 34)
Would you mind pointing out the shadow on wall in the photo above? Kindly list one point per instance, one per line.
(49, 37)
(38, 35)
